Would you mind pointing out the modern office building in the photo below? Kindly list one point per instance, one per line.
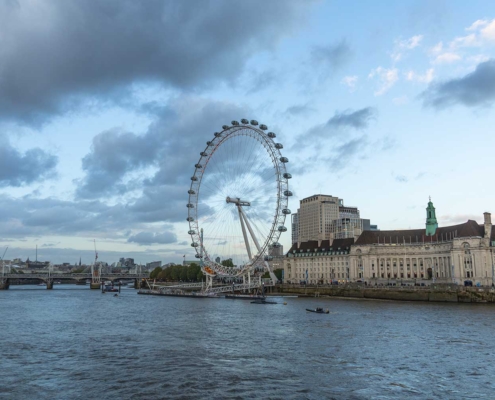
(325, 217)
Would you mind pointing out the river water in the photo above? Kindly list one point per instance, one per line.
(74, 343)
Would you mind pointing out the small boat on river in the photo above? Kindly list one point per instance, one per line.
(318, 310)
(263, 301)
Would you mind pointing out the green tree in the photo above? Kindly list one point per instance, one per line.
(154, 274)
(192, 272)
(227, 263)
(277, 272)
(175, 272)
(183, 273)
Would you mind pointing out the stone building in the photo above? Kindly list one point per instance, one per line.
(452, 254)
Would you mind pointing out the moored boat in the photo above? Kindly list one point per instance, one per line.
(318, 310)
(263, 301)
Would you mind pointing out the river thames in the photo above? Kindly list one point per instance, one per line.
(73, 343)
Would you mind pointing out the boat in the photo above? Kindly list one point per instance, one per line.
(42, 284)
(108, 287)
(263, 301)
(318, 310)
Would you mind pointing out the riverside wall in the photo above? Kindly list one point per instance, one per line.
(433, 293)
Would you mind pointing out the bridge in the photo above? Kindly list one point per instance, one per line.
(49, 278)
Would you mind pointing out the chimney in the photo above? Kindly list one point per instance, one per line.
(488, 225)
(488, 218)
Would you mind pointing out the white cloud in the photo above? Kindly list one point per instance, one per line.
(427, 77)
(387, 77)
(401, 46)
(479, 58)
(350, 82)
(477, 24)
(465, 41)
(437, 49)
(447, 58)
(488, 32)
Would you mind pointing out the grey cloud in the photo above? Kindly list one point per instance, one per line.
(17, 169)
(301, 109)
(263, 80)
(345, 152)
(149, 238)
(333, 56)
(172, 144)
(474, 89)
(338, 125)
(359, 119)
(113, 154)
(95, 50)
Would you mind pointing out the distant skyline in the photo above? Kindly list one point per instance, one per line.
(105, 106)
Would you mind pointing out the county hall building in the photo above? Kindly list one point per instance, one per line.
(450, 254)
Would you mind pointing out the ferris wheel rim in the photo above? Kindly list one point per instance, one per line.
(228, 132)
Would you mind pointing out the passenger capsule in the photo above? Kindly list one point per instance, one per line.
(263, 127)
(286, 211)
(209, 142)
(203, 154)
(284, 159)
(198, 166)
(225, 127)
(271, 135)
(191, 232)
(279, 146)
(190, 219)
(217, 134)
(282, 228)
(244, 121)
(190, 205)
(194, 244)
(254, 122)
(287, 175)
(198, 256)
(194, 178)
(287, 193)
(190, 191)
(235, 123)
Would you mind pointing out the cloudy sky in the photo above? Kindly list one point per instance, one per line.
(105, 106)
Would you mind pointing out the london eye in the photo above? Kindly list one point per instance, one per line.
(238, 200)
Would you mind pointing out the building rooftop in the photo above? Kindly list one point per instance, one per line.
(467, 229)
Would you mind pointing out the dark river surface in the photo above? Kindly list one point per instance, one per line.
(74, 343)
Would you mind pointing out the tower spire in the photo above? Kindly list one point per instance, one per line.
(431, 219)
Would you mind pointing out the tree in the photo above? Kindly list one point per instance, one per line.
(154, 274)
(277, 272)
(228, 263)
(192, 272)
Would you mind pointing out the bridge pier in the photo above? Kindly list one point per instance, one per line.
(4, 284)
(137, 283)
(49, 284)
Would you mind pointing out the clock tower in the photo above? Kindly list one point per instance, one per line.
(431, 219)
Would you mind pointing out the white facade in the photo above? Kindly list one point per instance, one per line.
(456, 254)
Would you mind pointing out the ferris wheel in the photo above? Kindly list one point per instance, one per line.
(238, 200)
